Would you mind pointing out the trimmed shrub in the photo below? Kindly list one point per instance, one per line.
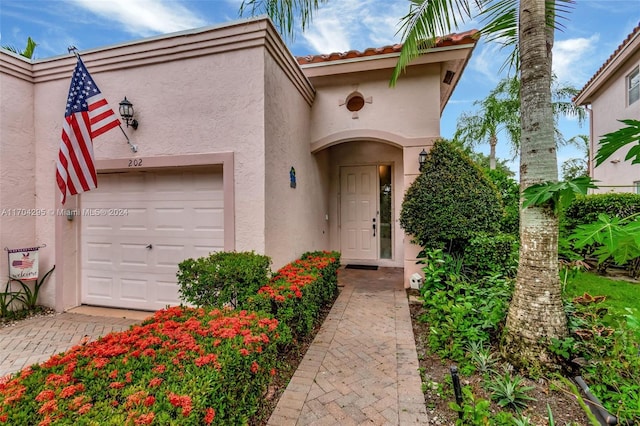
(585, 209)
(298, 291)
(222, 278)
(492, 255)
(450, 201)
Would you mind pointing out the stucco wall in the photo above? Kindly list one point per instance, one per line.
(17, 160)
(608, 106)
(411, 109)
(295, 217)
(196, 105)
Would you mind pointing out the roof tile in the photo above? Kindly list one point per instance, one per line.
(455, 39)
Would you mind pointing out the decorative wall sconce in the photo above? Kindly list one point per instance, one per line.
(126, 112)
(422, 158)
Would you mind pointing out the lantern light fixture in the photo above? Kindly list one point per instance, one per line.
(422, 158)
(126, 112)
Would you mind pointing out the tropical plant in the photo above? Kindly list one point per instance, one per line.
(482, 358)
(28, 50)
(612, 142)
(510, 391)
(613, 238)
(28, 297)
(536, 313)
(500, 112)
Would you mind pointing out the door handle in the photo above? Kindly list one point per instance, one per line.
(374, 226)
(149, 247)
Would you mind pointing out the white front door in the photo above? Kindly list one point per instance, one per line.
(358, 227)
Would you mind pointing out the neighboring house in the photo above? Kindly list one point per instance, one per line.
(613, 94)
(224, 115)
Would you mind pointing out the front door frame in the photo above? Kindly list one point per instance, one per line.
(375, 257)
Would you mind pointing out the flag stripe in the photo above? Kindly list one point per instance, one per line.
(87, 116)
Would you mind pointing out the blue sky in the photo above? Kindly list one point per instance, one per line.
(591, 33)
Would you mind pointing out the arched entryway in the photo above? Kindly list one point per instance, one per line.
(365, 192)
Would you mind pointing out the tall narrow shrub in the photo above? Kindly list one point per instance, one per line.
(450, 201)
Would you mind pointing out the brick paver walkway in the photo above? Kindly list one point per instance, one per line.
(362, 367)
(35, 340)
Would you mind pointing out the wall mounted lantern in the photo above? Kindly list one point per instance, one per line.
(422, 158)
(126, 112)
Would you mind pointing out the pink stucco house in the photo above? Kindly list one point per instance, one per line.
(613, 94)
(224, 115)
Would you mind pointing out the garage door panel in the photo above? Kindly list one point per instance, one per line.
(100, 287)
(166, 255)
(165, 292)
(134, 255)
(99, 253)
(134, 290)
(180, 214)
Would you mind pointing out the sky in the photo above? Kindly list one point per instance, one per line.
(589, 35)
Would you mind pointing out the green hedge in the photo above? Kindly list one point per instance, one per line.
(298, 291)
(585, 209)
(492, 255)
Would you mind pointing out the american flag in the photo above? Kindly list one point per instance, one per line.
(87, 116)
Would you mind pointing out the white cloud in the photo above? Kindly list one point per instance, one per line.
(344, 25)
(144, 17)
(488, 60)
(570, 56)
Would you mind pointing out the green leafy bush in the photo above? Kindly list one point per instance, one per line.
(491, 255)
(222, 278)
(450, 201)
(611, 362)
(585, 209)
(460, 312)
(509, 190)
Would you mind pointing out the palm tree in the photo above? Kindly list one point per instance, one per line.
(536, 312)
(500, 111)
(495, 115)
(580, 166)
(28, 50)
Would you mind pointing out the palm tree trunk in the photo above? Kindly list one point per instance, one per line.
(536, 312)
(493, 141)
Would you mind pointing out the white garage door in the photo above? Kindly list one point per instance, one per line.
(137, 227)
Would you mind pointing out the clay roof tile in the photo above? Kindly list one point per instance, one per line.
(466, 37)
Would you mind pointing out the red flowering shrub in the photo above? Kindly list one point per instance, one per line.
(298, 291)
(186, 366)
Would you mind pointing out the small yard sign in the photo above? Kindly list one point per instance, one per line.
(23, 263)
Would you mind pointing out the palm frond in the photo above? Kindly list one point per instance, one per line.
(284, 13)
(426, 20)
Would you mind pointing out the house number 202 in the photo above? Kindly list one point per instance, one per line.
(136, 162)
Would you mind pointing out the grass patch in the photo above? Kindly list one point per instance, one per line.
(620, 294)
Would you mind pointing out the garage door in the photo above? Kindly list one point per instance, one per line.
(137, 227)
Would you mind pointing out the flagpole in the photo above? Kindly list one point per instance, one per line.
(133, 147)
